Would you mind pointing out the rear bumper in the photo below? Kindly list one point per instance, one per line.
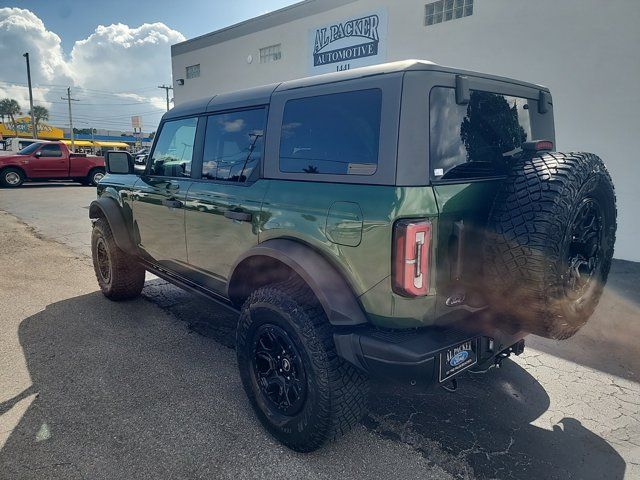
(412, 356)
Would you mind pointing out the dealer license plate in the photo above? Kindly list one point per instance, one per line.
(458, 358)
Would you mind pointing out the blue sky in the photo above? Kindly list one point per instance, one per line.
(76, 20)
(113, 54)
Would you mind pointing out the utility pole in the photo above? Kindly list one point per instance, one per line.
(166, 88)
(69, 100)
(33, 122)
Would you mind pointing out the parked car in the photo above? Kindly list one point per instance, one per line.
(16, 144)
(406, 221)
(140, 157)
(43, 161)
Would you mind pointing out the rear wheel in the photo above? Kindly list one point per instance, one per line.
(549, 250)
(301, 391)
(11, 177)
(94, 177)
(119, 274)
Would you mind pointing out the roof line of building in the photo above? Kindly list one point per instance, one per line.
(262, 22)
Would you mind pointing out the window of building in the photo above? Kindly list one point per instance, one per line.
(193, 71)
(51, 151)
(233, 145)
(174, 149)
(468, 141)
(336, 134)
(445, 10)
(272, 53)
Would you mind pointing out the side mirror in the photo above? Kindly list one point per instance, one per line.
(118, 162)
(38, 154)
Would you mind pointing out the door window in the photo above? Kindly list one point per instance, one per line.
(335, 134)
(51, 151)
(173, 153)
(233, 145)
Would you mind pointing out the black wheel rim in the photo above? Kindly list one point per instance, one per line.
(102, 260)
(278, 370)
(584, 257)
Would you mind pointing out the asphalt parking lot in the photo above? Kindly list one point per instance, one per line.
(148, 388)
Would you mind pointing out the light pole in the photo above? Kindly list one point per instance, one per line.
(33, 123)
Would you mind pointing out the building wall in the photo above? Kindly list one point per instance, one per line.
(585, 51)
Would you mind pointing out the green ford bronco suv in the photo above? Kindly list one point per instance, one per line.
(406, 221)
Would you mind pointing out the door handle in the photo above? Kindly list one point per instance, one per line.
(172, 203)
(240, 216)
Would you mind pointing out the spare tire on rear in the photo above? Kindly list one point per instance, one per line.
(549, 244)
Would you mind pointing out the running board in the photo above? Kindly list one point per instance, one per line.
(189, 286)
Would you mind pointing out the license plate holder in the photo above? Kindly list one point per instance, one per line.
(458, 358)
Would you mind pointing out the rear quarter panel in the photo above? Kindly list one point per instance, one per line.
(299, 211)
(80, 166)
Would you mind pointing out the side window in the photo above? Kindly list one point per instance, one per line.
(234, 144)
(173, 153)
(336, 134)
(468, 141)
(51, 151)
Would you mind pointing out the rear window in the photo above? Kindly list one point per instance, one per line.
(468, 141)
(335, 134)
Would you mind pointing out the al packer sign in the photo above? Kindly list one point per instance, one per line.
(354, 42)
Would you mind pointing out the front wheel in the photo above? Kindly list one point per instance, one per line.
(11, 178)
(119, 274)
(301, 391)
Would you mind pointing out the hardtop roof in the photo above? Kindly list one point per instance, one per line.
(262, 95)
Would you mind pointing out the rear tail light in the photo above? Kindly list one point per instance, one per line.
(537, 146)
(411, 256)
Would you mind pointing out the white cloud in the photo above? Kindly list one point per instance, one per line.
(22, 31)
(131, 61)
(21, 94)
(118, 57)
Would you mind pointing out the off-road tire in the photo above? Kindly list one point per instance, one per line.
(126, 274)
(336, 393)
(531, 265)
(15, 173)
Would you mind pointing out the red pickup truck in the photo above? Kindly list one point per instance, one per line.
(47, 161)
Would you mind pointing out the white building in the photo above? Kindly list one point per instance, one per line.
(586, 51)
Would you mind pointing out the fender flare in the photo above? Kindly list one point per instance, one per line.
(108, 208)
(330, 288)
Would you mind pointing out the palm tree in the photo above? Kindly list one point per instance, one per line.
(10, 108)
(39, 114)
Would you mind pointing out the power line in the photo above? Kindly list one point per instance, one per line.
(92, 90)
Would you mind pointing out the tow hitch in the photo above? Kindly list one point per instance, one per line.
(516, 349)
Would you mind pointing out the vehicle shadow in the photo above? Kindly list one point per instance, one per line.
(118, 394)
(485, 425)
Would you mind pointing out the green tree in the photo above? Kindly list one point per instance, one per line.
(10, 108)
(490, 128)
(40, 114)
